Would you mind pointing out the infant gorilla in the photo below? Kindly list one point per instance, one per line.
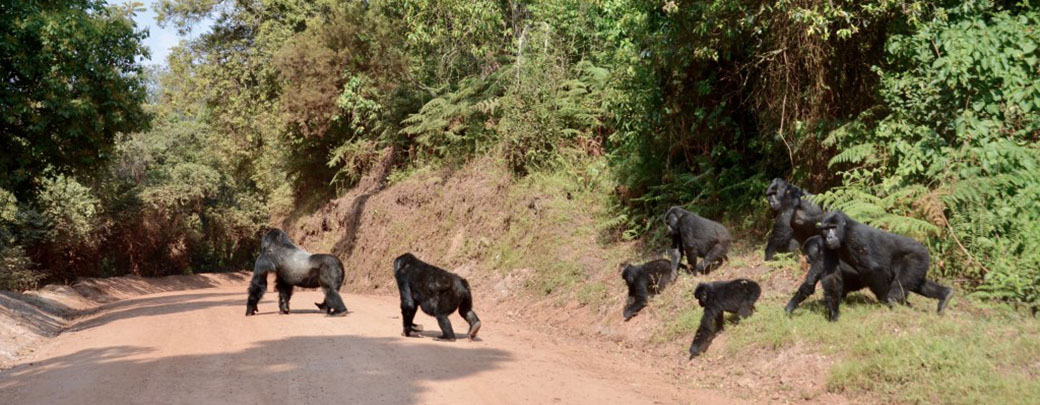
(644, 281)
(737, 296)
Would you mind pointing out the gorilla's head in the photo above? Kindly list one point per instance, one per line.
(774, 192)
(629, 273)
(832, 229)
(274, 238)
(402, 261)
(701, 293)
(671, 219)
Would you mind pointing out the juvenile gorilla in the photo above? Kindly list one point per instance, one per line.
(736, 296)
(295, 267)
(695, 237)
(437, 291)
(889, 264)
(645, 280)
(820, 258)
(795, 217)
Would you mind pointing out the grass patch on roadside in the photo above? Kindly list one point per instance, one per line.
(593, 294)
(909, 355)
(553, 232)
(895, 355)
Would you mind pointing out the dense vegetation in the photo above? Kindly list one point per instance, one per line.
(915, 116)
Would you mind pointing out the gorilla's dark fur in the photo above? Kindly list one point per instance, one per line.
(295, 267)
(889, 264)
(736, 296)
(645, 280)
(795, 217)
(437, 291)
(695, 237)
(819, 258)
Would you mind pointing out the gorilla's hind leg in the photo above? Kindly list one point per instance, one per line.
(932, 289)
(466, 310)
(285, 291)
(334, 302)
(448, 333)
(712, 259)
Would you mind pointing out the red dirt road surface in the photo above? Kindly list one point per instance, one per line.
(196, 347)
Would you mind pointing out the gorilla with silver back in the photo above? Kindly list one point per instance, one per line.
(294, 266)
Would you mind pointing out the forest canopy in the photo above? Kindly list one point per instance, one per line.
(919, 117)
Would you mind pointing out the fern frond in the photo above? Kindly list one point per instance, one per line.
(862, 153)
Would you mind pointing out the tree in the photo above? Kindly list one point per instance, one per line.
(69, 82)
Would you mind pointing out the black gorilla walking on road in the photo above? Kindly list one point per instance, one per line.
(890, 265)
(295, 267)
(736, 296)
(696, 237)
(795, 217)
(437, 292)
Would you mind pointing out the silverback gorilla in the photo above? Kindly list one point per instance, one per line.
(820, 258)
(295, 267)
(644, 281)
(437, 291)
(737, 296)
(795, 217)
(890, 264)
(695, 237)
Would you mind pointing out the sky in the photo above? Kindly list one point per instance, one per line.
(159, 40)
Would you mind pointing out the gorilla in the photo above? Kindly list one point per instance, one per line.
(294, 266)
(795, 217)
(695, 237)
(889, 264)
(437, 291)
(819, 258)
(645, 280)
(736, 296)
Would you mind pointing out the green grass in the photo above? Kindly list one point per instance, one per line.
(682, 326)
(593, 294)
(899, 355)
(553, 231)
(909, 355)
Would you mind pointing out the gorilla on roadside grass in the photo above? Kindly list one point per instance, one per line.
(819, 258)
(795, 217)
(644, 281)
(696, 237)
(736, 296)
(890, 265)
(294, 266)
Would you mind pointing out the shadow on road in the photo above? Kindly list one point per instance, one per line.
(163, 305)
(306, 369)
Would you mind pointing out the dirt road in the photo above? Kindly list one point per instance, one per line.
(197, 347)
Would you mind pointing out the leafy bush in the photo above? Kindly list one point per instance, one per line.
(16, 270)
(951, 152)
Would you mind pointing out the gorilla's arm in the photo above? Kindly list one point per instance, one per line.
(636, 299)
(675, 253)
(408, 307)
(258, 285)
(706, 332)
(824, 261)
